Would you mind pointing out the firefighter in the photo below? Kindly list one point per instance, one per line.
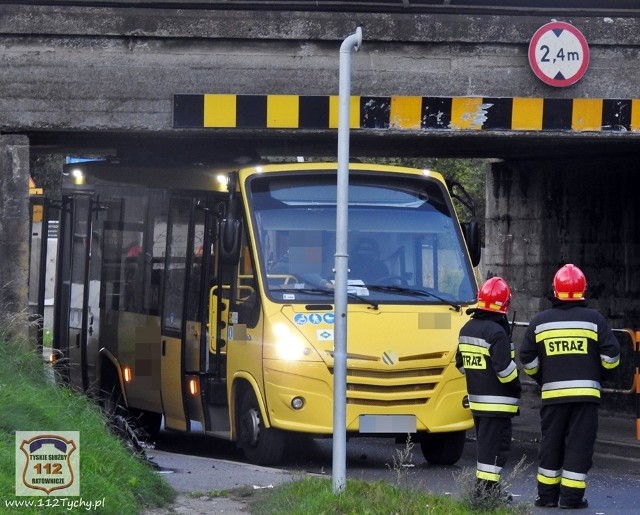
(565, 349)
(486, 357)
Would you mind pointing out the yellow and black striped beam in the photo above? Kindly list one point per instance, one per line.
(409, 113)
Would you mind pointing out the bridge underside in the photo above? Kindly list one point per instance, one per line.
(220, 143)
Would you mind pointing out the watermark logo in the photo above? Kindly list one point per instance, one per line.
(48, 463)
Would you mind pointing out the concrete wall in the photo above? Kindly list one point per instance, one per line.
(110, 68)
(14, 230)
(543, 214)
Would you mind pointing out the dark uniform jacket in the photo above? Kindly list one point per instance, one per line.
(485, 356)
(566, 348)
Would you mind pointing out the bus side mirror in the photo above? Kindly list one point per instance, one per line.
(231, 226)
(230, 244)
(471, 232)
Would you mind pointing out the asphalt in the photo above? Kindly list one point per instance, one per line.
(189, 474)
(616, 430)
(186, 474)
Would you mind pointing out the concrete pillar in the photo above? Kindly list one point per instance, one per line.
(14, 233)
(542, 214)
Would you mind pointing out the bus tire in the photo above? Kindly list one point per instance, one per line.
(111, 399)
(147, 423)
(260, 445)
(442, 448)
(115, 411)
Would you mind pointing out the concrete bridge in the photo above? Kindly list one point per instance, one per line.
(433, 79)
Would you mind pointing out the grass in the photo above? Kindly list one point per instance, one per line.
(314, 496)
(29, 401)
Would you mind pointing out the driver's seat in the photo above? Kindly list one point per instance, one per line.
(365, 262)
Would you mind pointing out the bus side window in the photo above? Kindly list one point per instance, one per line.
(133, 278)
(194, 293)
(173, 297)
(247, 300)
(152, 299)
(123, 258)
(154, 271)
(175, 272)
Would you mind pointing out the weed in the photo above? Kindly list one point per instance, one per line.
(15, 325)
(402, 461)
(488, 499)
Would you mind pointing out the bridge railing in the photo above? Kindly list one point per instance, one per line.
(623, 378)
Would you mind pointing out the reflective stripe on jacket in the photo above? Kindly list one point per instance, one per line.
(565, 349)
(484, 356)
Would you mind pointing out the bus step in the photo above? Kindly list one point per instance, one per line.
(216, 391)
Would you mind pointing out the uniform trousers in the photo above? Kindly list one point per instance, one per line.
(493, 442)
(566, 449)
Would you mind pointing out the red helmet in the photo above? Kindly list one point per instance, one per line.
(494, 295)
(569, 283)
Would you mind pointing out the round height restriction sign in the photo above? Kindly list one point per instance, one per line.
(558, 54)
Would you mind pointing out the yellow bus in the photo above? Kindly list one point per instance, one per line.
(201, 298)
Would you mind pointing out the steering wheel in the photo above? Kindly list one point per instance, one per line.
(393, 280)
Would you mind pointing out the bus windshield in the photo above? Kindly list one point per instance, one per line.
(404, 242)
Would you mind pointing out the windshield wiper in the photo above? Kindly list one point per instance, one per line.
(412, 291)
(323, 291)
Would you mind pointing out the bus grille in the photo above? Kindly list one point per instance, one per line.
(392, 388)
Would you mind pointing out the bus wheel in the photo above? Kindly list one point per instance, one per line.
(110, 394)
(442, 448)
(147, 423)
(111, 401)
(260, 445)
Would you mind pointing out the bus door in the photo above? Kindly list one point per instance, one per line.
(188, 266)
(206, 320)
(76, 296)
(220, 290)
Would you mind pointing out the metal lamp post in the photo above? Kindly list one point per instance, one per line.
(352, 42)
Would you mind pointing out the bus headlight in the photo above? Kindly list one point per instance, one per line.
(288, 345)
